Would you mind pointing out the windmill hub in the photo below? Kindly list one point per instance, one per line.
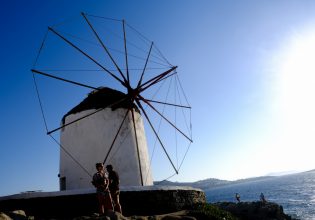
(132, 93)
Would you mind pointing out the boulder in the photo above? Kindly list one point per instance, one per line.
(4, 216)
(180, 215)
(14, 215)
(255, 210)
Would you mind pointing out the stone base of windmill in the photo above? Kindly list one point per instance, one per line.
(160, 200)
(147, 200)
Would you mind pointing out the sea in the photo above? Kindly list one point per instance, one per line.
(294, 192)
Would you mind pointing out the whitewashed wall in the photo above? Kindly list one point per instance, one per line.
(89, 140)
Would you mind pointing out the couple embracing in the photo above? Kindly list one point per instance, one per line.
(107, 188)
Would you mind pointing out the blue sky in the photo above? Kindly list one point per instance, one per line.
(246, 67)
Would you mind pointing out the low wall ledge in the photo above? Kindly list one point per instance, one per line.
(28, 195)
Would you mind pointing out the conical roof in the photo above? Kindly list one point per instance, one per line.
(102, 98)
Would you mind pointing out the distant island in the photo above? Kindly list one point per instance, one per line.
(211, 183)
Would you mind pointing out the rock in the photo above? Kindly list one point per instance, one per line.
(181, 215)
(255, 210)
(3, 216)
(15, 215)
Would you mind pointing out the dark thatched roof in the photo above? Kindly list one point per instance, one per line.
(102, 98)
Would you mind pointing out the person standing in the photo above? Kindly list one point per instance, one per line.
(114, 187)
(101, 182)
(262, 198)
(238, 197)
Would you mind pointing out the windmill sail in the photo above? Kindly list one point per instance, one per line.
(143, 100)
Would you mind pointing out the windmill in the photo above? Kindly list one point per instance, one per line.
(109, 125)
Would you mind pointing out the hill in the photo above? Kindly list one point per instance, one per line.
(211, 183)
(201, 184)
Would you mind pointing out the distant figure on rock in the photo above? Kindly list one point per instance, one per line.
(101, 182)
(238, 197)
(262, 198)
(114, 187)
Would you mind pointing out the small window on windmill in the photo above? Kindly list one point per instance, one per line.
(62, 182)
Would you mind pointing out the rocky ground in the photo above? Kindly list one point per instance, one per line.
(20, 215)
(217, 211)
(255, 210)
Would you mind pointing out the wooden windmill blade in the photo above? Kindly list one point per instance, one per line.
(139, 75)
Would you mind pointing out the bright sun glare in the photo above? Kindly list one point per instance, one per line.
(295, 102)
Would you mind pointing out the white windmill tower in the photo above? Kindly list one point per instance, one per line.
(92, 138)
(108, 125)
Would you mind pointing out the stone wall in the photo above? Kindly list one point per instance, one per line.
(160, 201)
(134, 200)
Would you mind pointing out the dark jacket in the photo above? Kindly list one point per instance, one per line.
(113, 181)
